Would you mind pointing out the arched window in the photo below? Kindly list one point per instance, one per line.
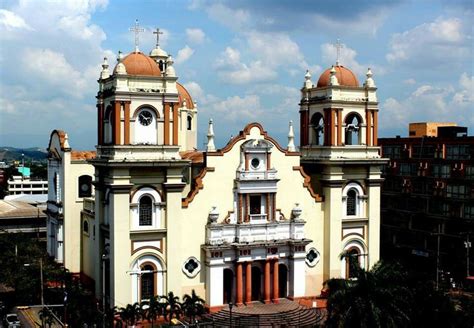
(108, 121)
(352, 135)
(147, 282)
(317, 124)
(145, 211)
(190, 123)
(352, 262)
(85, 186)
(351, 202)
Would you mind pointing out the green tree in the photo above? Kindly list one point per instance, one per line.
(152, 309)
(193, 306)
(131, 314)
(376, 298)
(173, 306)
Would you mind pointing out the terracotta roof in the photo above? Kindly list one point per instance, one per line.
(82, 155)
(137, 63)
(193, 155)
(184, 94)
(10, 209)
(344, 76)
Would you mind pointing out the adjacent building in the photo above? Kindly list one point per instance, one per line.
(253, 221)
(428, 197)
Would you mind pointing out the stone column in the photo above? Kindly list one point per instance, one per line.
(267, 282)
(126, 134)
(175, 124)
(166, 127)
(276, 291)
(240, 298)
(116, 138)
(248, 283)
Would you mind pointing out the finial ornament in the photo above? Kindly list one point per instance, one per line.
(333, 78)
(66, 142)
(307, 80)
(369, 81)
(137, 29)
(291, 138)
(157, 32)
(105, 69)
(210, 137)
(338, 46)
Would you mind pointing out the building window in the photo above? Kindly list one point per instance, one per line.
(457, 191)
(351, 202)
(468, 211)
(85, 186)
(147, 282)
(145, 211)
(423, 151)
(352, 262)
(457, 152)
(352, 135)
(85, 227)
(255, 204)
(441, 171)
(317, 124)
(312, 257)
(255, 163)
(191, 267)
(392, 152)
(469, 173)
(190, 123)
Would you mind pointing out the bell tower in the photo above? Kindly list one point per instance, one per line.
(338, 142)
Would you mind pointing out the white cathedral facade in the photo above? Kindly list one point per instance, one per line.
(147, 213)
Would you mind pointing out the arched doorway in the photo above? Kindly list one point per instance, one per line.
(352, 262)
(228, 285)
(283, 280)
(256, 284)
(147, 282)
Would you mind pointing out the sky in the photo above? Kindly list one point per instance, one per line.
(242, 60)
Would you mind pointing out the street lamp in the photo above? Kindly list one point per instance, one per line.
(231, 305)
(42, 291)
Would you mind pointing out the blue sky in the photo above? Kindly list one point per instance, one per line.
(241, 60)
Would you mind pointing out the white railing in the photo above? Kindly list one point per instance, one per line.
(258, 218)
(257, 175)
(143, 152)
(218, 234)
(341, 152)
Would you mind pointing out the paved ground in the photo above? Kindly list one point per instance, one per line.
(284, 314)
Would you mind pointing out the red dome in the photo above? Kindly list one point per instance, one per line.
(344, 77)
(138, 63)
(183, 94)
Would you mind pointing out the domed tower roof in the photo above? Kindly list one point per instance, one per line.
(183, 94)
(344, 76)
(137, 63)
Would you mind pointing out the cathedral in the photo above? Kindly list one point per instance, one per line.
(147, 213)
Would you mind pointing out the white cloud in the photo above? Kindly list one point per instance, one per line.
(10, 21)
(238, 108)
(198, 94)
(348, 59)
(443, 41)
(195, 35)
(270, 53)
(184, 54)
(409, 81)
(233, 18)
(431, 103)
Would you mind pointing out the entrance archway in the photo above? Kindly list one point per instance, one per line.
(283, 280)
(228, 285)
(256, 284)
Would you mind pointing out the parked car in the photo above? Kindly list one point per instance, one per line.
(12, 321)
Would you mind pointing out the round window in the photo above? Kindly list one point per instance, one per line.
(255, 163)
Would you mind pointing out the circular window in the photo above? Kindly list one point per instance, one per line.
(191, 267)
(312, 257)
(255, 163)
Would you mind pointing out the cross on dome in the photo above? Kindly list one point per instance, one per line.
(157, 32)
(338, 46)
(137, 29)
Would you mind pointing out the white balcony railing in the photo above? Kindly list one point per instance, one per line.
(218, 234)
(258, 218)
(257, 175)
(341, 152)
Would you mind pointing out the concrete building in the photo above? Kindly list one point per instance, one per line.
(24, 185)
(428, 194)
(253, 221)
(22, 217)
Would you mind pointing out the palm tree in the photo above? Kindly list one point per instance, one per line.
(130, 314)
(192, 306)
(154, 308)
(173, 307)
(375, 298)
